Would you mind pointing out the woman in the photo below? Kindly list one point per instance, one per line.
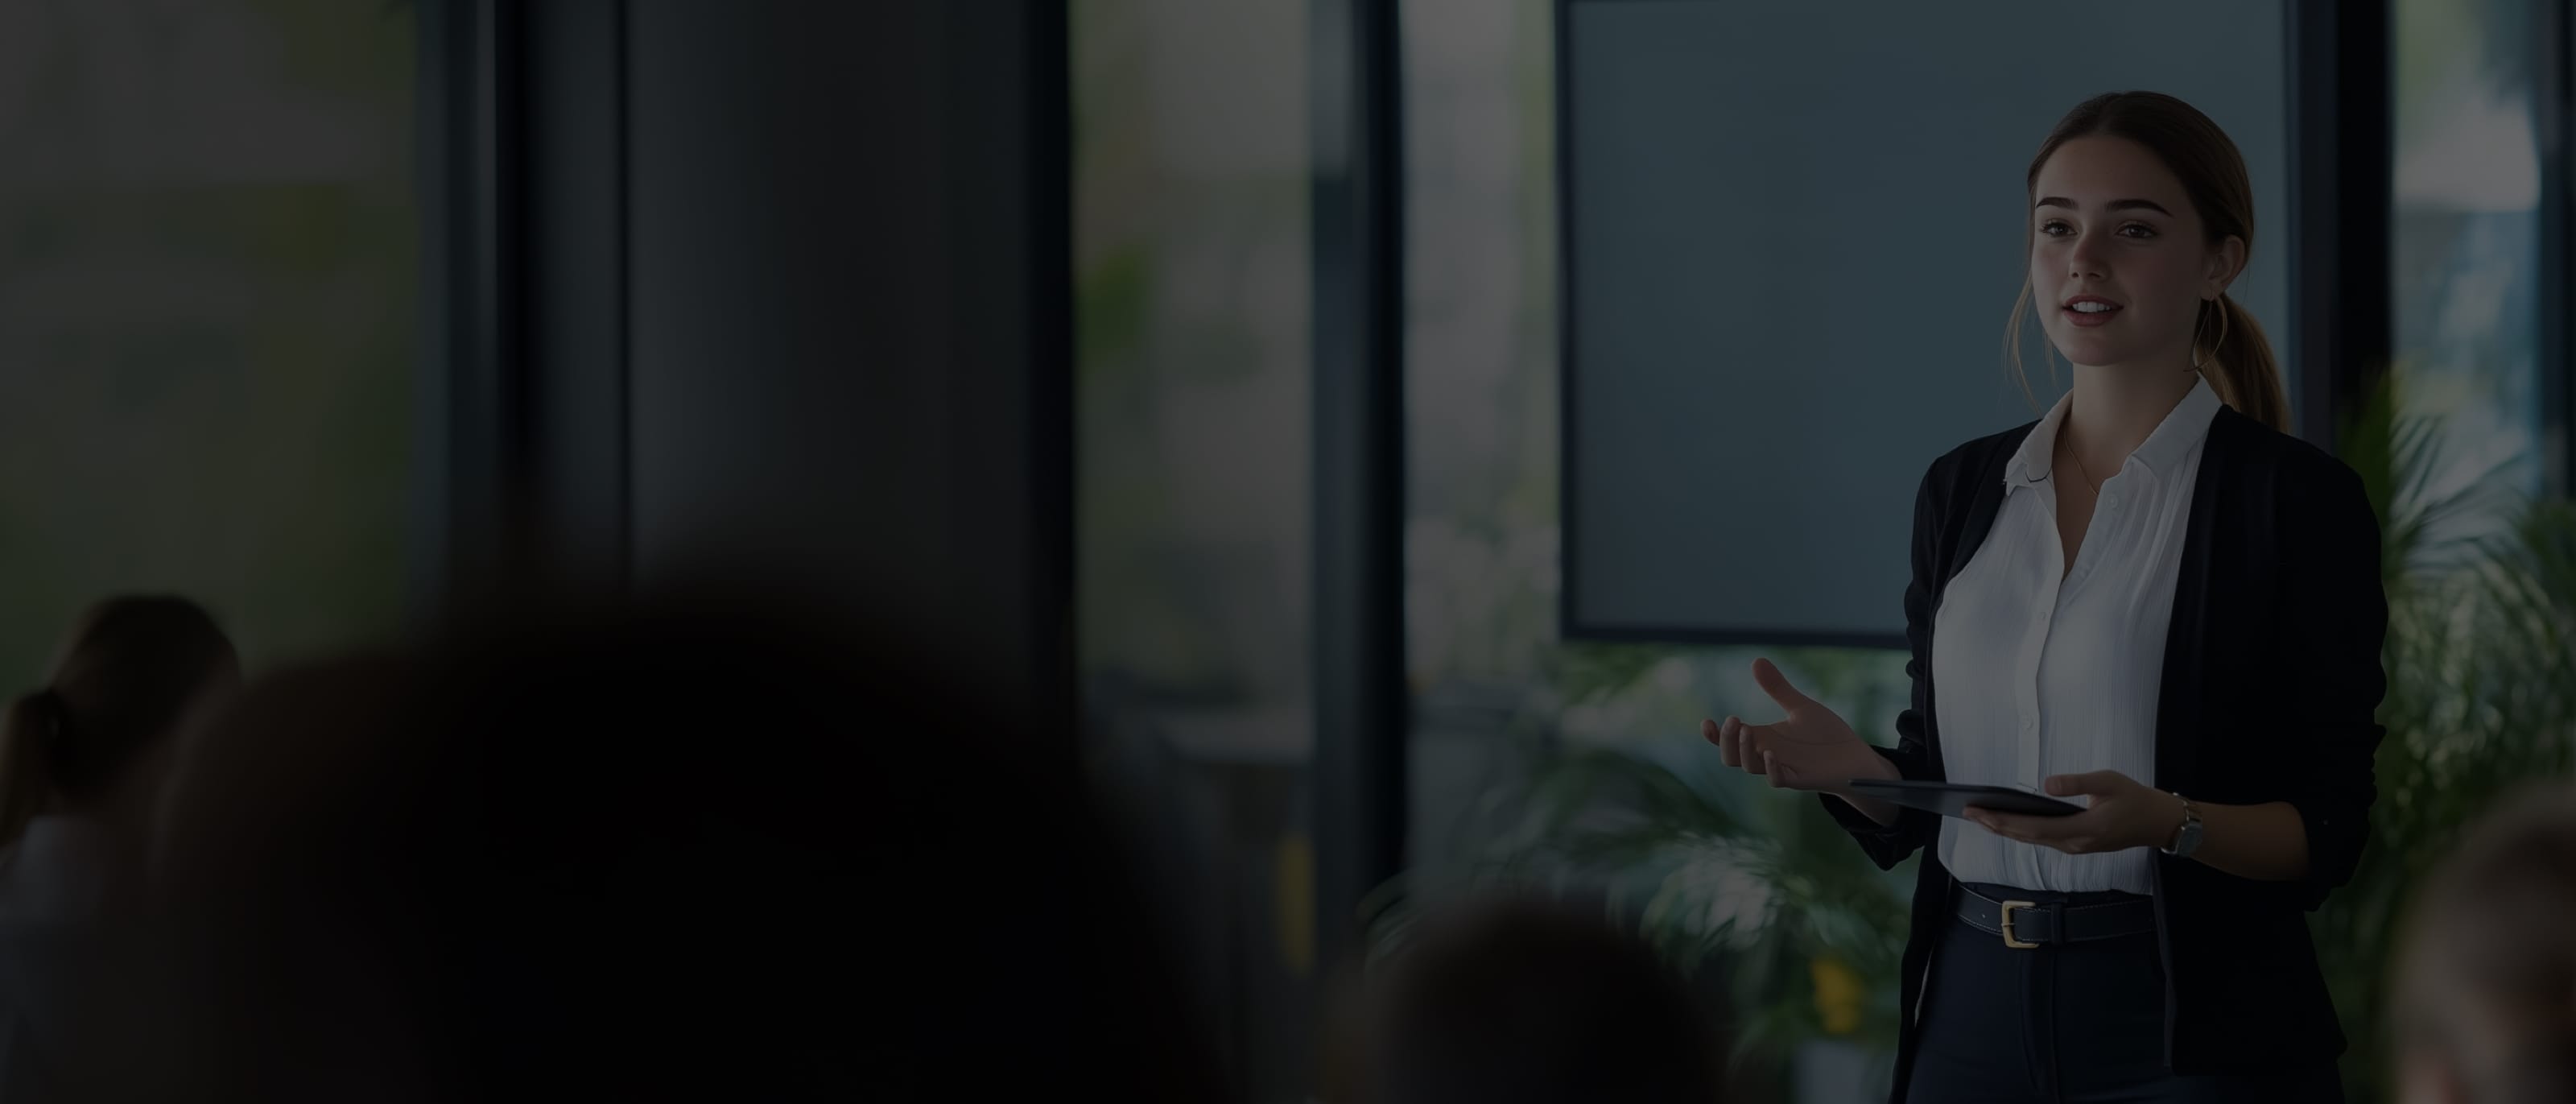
(2486, 1000)
(2155, 603)
(75, 753)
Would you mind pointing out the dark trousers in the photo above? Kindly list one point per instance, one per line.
(2072, 1023)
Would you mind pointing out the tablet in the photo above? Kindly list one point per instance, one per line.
(1954, 799)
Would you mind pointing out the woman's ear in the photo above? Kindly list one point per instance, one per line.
(2225, 262)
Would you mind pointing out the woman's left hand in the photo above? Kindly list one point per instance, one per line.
(2124, 814)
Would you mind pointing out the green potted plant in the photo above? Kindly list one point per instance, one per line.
(2481, 662)
(1721, 874)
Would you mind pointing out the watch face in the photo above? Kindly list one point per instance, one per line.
(2189, 839)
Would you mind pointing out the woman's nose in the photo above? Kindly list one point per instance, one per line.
(2084, 261)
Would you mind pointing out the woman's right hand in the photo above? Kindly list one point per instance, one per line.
(1810, 749)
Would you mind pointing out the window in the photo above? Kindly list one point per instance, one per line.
(2466, 238)
(1480, 393)
(207, 286)
(1192, 513)
(1497, 689)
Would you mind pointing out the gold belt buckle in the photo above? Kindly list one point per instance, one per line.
(2010, 939)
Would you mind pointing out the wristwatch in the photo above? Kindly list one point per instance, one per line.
(2186, 838)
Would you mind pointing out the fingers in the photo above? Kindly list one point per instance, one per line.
(2090, 782)
(1739, 745)
(1782, 777)
(1755, 747)
(2075, 835)
(1768, 677)
(1729, 738)
(2010, 826)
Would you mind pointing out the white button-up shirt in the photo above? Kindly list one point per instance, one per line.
(2047, 671)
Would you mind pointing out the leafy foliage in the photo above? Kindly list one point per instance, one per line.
(2482, 691)
(1712, 868)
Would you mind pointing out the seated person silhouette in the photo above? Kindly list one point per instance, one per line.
(79, 759)
(79, 754)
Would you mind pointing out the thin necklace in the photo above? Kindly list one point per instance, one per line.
(2069, 446)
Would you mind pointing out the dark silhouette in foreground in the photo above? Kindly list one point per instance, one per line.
(700, 850)
(1522, 1001)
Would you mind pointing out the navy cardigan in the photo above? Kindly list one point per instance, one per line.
(2271, 683)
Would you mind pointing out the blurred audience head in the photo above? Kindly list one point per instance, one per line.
(699, 849)
(2486, 979)
(1521, 1000)
(128, 673)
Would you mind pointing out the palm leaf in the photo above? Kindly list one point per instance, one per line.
(2481, 692)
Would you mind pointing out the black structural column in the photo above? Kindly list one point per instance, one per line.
(2553, 46)
(767, 290)
(2340, 204)
(1360, 701)
(523, 377)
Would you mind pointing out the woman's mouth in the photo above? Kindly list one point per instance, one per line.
(2090, 310)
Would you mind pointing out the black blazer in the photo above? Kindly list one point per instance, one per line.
(2270, 688)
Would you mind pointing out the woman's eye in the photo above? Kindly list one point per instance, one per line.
(2138, 230)
(2054, 228)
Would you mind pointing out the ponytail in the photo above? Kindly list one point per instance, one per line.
(28, 736)
(2237, 361)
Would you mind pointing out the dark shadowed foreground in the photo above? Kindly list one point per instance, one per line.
(701, 851)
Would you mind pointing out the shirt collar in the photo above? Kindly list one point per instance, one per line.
(2029, 466)
(2181, 431)
(2163, 451)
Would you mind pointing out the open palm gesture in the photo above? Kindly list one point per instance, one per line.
(1811, 748)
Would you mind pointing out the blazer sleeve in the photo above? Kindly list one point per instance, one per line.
(2335, 614)
(1889, 844)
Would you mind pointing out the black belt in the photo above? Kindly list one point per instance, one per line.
(2027, 924)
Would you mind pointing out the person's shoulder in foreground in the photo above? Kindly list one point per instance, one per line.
(2486, 973)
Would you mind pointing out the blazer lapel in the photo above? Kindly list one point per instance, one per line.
(1983, 504)
(2181, 694)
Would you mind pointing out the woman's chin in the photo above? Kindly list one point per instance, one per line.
(2083, 352)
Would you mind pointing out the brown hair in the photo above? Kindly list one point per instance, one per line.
(2235, 358)
(132, 667)
(2486, 977)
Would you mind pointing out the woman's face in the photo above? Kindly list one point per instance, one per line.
(2120, 263)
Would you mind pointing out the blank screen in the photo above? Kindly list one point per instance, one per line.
(1794, 233)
